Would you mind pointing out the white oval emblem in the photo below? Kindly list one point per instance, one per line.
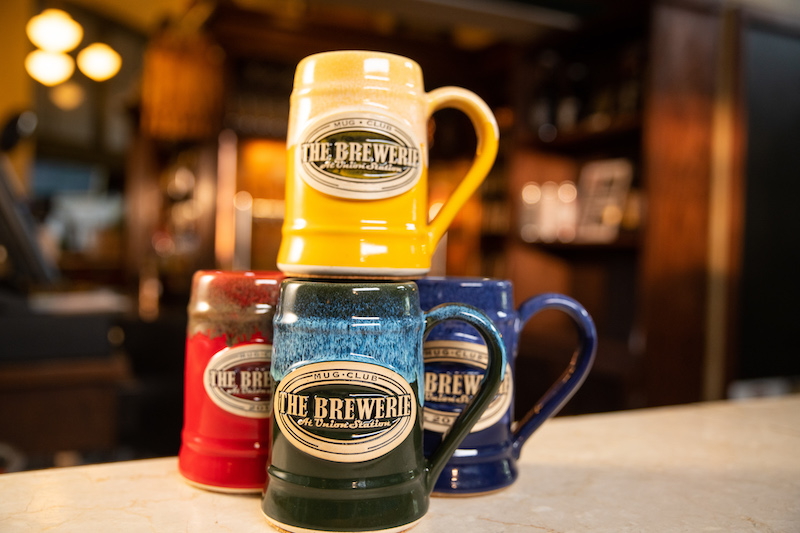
(345, 411)
(238, 380)
(362, 156)
(456, 388)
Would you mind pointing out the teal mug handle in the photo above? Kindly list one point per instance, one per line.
(493, 376)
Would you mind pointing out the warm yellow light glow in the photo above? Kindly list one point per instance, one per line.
(67, 96)
(99, 61)
(243, 201)
(54, 30)
(531, 193)
(567, 192)
(612, 215)
(49, 68)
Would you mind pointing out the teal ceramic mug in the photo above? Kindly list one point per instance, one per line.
(347, 448)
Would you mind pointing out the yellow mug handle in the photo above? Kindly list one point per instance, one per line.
(485, 153)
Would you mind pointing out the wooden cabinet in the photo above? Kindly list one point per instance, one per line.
(648, 290)
(73, 401)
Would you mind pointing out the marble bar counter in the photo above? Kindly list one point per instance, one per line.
(726, 466)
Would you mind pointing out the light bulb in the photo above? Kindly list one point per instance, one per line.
(54, 30)
(49, 68)
(67, 96)
(99, 61)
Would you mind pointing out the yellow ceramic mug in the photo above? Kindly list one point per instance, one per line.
(357, 187)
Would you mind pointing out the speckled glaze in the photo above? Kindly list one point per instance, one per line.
(360, 321)
(486, 458)
(325, 330)
(225, 441)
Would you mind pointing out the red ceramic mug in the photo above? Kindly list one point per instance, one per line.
(225, 443)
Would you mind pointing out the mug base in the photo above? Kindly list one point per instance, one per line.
(286, 528)
(231, 471)
(356, 273)
(462, 494)
(476, 479)
(225, 490)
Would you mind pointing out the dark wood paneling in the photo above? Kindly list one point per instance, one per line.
(677, 141)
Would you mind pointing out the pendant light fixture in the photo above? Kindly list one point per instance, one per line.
(99, 61)
(53, 30)
(55, 33)
(49, 68)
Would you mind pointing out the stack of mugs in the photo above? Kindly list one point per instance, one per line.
(342, 386)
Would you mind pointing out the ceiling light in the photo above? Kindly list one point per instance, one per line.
(99, 61)
(54, 30)
(67, 96)
(49, 68)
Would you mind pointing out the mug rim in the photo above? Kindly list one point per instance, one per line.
(363, 52)
(467, 281)
(491, 295)
(347, 282)
(217, 284)
(254, 274)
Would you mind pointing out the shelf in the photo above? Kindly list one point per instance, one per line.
(626, 242)
(586, 138)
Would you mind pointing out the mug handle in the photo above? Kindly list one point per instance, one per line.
(493, 376)
(572, 378)
(488, 136)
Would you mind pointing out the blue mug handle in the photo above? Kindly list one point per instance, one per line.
(572, 378)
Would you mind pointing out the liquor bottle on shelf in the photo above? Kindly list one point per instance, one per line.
(572, 96)
(631, 66)
(542, 111)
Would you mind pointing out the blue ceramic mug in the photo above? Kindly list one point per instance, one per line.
(455, 359)
(347, 451)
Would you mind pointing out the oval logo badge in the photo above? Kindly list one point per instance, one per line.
(359, 156)
(345, 411)
(238, 380)
(453, 374)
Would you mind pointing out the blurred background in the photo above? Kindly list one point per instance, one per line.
(648, 168)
